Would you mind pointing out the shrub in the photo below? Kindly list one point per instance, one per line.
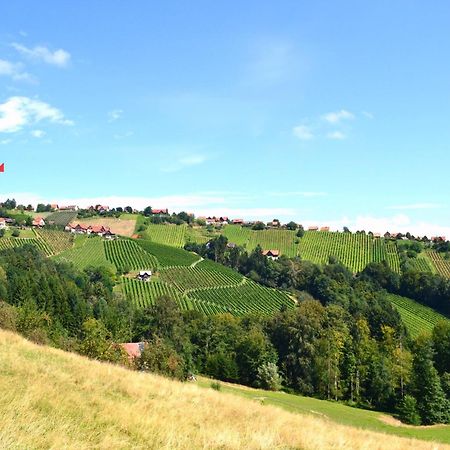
(15, 233)
(216, 386)
(8, 316)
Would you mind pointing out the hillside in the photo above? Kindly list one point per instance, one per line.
(53, 399)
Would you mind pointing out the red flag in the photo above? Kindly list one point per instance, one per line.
(2, 167)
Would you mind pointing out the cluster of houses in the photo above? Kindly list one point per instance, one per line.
(98, 230)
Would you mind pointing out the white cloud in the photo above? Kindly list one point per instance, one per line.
(303, 132)
(114, 114)
(5, 141)
(415, 206)
(14, 70)
(185, 161)
(59, 58)
(38, 133)
(336, 135)
(18, 112)
(338, 116)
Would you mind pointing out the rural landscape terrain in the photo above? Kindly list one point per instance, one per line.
(224, 225)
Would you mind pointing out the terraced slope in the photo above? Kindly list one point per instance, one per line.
(417, 318)
(6, 243)
(57, 241)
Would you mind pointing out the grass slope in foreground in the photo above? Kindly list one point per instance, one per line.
(53, 399)
(416, 317)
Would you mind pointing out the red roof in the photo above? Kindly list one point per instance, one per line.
(238, 221)
(159, 211)
(133, 349)
(271, 253)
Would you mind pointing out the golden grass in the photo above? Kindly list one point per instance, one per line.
(53, 400)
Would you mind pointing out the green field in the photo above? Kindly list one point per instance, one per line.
(417, 318)
(334, 411)
(6, 243)
(57, 241)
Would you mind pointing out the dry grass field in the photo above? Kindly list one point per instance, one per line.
(52, 399)
(123, 227)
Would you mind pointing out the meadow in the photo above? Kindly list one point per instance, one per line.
(53, 399)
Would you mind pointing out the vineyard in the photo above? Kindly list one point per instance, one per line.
(6, 243)
(172, 235)
(248, 297)
(61, 218)
(168, 256)
(125, 253)
(441, 264)
(189, 278)
(87, 251)
(416, 317)
(238, 235)
(143, 294)
(57, 241)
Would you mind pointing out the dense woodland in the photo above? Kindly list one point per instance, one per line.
(344, 341)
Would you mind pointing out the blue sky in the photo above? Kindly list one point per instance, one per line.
(331, 113)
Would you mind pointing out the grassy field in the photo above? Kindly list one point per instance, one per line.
(337, 412)
(417, 318)
(61, 218)
(53, 399)
(168, 256)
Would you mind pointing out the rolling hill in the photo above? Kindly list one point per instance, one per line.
(53, 399)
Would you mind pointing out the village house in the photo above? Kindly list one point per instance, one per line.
(2, 223)
(275, 223)
(216, 220)
(99, 230)
(272, 254)
(68, 208)
(144, 275)
(238, 221)
(313, 228)
(54, 206)
(324, 228)
(160, 211)
(38, 222)
(101, 209)
(133, 349)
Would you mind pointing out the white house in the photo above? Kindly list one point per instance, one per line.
(144, 275)
(2, 223)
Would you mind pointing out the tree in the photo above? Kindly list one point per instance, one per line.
(291, 226)
(128, 209)
(268, 377)
(407, 410)
(441, 344)
(258, 226)
(300, 232)
(432, 404)
(148, 211)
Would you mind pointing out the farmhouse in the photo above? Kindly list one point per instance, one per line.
(109, 235)
(275, 223)
(38, 222)
(324, 228)
(2, 223)
(160, 211)
(144, 275)
(216, 220)
(99, 230)
(54, 206)
(68, 208)
(272, 254)
(313, 228)
(238, 221)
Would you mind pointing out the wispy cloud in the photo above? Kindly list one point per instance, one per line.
(416, 206)
(14, 70)
(303, 132)
(185, 161)
(5, 141)
(336, 135)
(338, 116)
(114, 115)
(18, 112)
(59, 58)
(368, 114)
